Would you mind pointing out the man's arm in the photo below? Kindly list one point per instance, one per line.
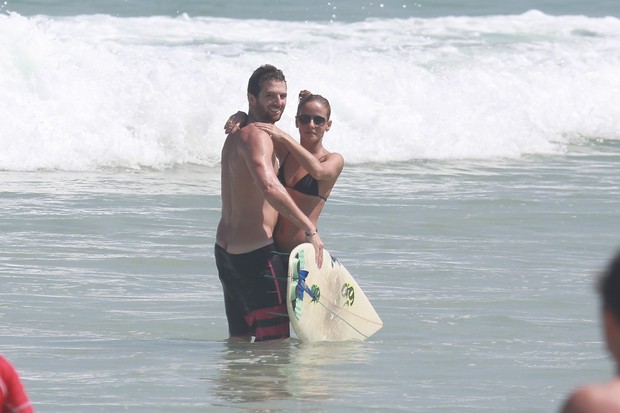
(258, 153)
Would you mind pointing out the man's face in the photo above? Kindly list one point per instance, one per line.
(271, 101)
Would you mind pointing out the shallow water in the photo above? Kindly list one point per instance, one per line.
(482, 272)
(478, 203)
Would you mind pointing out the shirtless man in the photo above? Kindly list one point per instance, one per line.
(604, 397)
(252, 197)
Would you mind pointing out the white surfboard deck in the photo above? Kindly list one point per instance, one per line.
(327, 304)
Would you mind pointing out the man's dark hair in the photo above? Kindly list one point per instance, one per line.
(261, 75)
(609, 287)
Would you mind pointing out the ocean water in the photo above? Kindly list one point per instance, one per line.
(478, 203)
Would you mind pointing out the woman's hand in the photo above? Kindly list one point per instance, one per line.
(276, 133)
(235, 122)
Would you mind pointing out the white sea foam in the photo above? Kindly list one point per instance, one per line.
(89, 92)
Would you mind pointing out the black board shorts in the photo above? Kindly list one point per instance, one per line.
(254, 286)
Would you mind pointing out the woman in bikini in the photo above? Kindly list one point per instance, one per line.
(307, 170)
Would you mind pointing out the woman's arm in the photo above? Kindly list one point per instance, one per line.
(328, 169)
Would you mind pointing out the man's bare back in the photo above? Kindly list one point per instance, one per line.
(248, 220)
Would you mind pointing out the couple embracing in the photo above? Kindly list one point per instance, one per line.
(273, 191)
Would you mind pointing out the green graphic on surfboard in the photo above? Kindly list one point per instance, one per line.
(327, 304)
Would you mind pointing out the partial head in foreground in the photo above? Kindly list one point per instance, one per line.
(603, 397)
(609, 287)
(609, 290)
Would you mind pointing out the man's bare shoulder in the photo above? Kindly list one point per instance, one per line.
(251, 141)
(601, 398)
(250, 132)
(242, 138)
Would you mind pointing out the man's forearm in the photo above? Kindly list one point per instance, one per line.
(282, 202)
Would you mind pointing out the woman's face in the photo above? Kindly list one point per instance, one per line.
(312, 120)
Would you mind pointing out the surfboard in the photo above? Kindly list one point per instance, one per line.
(327, 304)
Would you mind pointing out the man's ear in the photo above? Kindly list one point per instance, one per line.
(251, 99)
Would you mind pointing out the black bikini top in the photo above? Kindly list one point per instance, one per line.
(306, 185)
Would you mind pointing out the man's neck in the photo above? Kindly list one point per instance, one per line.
(253, 118)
